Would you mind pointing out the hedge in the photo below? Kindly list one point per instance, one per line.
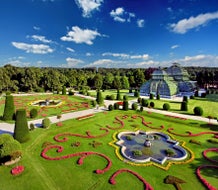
(198, 111)
(46, 123)
(33, 113)
(166, 106)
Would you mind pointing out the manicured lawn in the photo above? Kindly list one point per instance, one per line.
(41, 173)
(68, 104)
(208, 104)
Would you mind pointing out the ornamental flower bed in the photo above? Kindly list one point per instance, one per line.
(85, 117)
(17, 170)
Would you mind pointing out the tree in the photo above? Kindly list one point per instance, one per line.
(139, 77)
(9, 109)
(108, 81)
(21, 130)
(64, 91)
(124, 82)
(10, 148)
(117, 83)
(98, 81)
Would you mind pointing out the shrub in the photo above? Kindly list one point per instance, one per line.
(139, 100)
(145, 102)
(46, 123)
(125, 105)
(158, 97)
(116, 106)
(128, 137)
(152, 104)
(169, 152)
(33, 113)
(21, 130)
(112, 97)
(32, 126)
(130, 90)
(151, 96)
(99, 98)
(195, 141)
(93, 103)
(125, 97)
(71, 93)
(137, 153)
(110, 107)
(203, 95)
(198, 111)
(118, 97)
(10, 148)
(134, 106)
(9, 110)
(141, 109)
(184, 106)
(185, 98)
(64, 91)
(136, 94)
(107, 97)
(213, 141)
(166, 106)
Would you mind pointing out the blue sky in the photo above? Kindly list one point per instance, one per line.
(109, 33)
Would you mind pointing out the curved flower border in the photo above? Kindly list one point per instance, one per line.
(210, 150)
(82, 155)
(17, 170)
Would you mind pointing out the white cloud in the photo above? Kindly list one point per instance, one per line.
(200, 60)
(72, 62)
(33, 48)
(126, 56)
(185, 25)
(18, 63)
(174, 46)
(88, 6)
(140, 23)
(36, 28)
(39, 38)
(107, 63)
(70, 49)
(120, 15)
(88, 54)
(79, 35)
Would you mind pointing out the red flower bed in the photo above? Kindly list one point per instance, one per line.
(176, 117)
(113, 182)
(210, 150)
(17, 170)
(204, 181)
(85, 116)
(82, 155)
(59, 124)
(120, 103)
(119, 121)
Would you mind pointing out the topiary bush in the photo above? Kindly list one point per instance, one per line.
(185, 98)
(151, 96)
(198, 111)
(125, 97)
(141, 109)
(33, 113)
(134, 106)
(9, 110)
(166, 106)
(139, 100)
(118, 97)
(99, 98)
(46, 123)
(110, 107)
(93, 103)
(158, 97)
(64, 91)
(71, 93)
(145, 102)
(116, 106)
(125, 105)
(32, 126)
(21, 130)
(136, 94)
(152, 104)
(184, 106)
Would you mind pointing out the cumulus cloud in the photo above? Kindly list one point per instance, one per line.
(107, 63)
(36, 28)
(140, 23)
(33, 48)
(79, 35)
(39, 38)
(70, 49)
(72, 62)
(200, 60)
(120, 15)
(88, 6)
(184, 25)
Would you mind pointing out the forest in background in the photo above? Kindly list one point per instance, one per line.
(34, 79)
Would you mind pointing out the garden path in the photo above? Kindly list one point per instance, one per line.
(9, 128)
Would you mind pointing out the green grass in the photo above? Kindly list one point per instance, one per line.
(66, 174)
(208, 104)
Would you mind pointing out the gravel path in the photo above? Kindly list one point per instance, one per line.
(9, 128)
